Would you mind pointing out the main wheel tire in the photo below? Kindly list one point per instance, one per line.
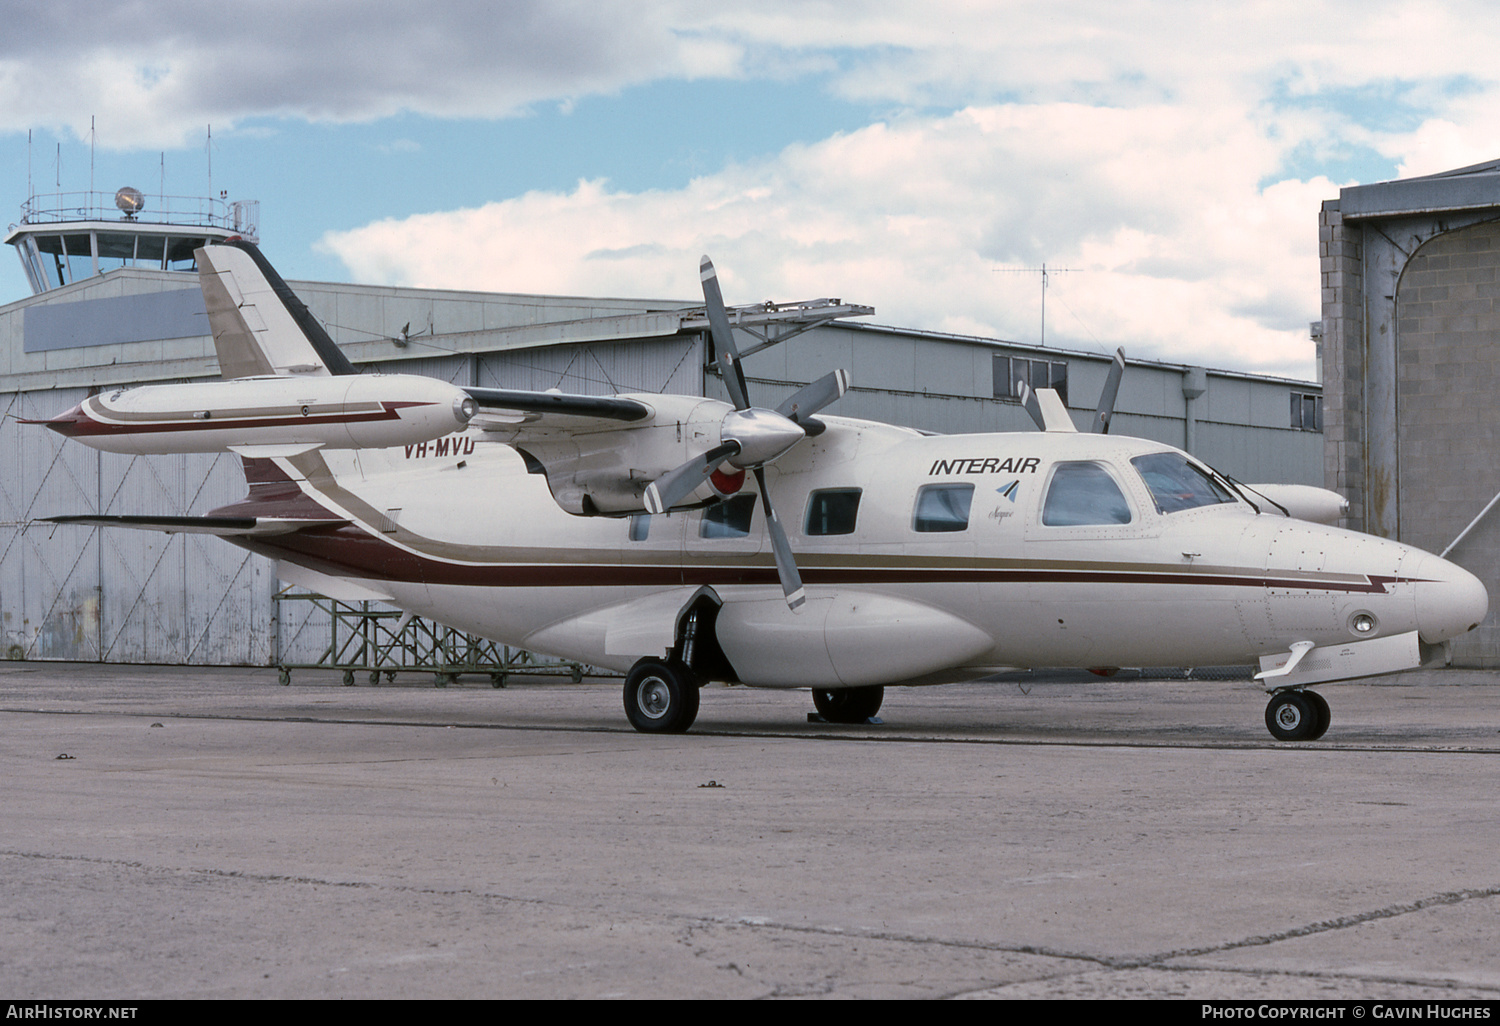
(1292, 716)
(1325, 716)
(661, 697)
(848, 705)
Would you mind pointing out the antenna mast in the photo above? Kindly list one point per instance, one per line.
(1044, 271)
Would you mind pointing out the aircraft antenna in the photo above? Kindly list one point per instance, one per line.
(1045, 272)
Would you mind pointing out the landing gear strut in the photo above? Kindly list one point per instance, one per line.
(1297, 715)
(848, 705)
(661, 696)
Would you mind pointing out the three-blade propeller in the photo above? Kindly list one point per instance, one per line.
(1049, 413)
(750, 436)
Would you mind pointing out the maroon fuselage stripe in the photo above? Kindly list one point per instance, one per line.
(353, 552)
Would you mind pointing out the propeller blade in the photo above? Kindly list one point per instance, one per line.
(1106, 411)
(718, 325)
(675, 485)
(786, 564)
(809, 400)
(1046, 408)
(1030, 405)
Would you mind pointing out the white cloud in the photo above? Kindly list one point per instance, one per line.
(1149, 145)
(1177, 252)
(153, 75)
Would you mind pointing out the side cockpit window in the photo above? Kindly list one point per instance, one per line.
(1177, 484)
(943, 507)
(1083, 493)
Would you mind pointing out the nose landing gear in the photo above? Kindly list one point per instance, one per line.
(1297, 715)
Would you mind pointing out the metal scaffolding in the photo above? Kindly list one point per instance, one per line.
(370, 638)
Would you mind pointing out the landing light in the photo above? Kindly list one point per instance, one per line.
(1363, 623)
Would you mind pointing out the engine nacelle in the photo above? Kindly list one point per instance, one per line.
(344, 412)
(1304, 502)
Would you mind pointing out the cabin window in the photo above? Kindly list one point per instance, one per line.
(943, 507)
(831, 511)
(1083, 493)
(640, 527)
(729, 519)
(1178, 484)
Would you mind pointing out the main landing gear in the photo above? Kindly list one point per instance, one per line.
(661, 696)
(1297, 715)
(848, 705)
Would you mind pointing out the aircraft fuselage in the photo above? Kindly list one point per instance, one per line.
(925, 559)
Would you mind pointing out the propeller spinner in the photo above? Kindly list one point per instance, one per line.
(751, 436)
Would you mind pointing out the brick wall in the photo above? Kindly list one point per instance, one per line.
(1341, 258)
(1448, 409)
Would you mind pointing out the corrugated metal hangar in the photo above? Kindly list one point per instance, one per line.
(117, 303)
(1411, 360)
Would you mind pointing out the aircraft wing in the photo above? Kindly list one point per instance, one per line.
(223, 527)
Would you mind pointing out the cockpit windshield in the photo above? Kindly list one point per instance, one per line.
(1178, 484)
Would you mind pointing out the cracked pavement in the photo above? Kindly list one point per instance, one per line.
(216, 835)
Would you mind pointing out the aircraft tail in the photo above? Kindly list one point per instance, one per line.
(259, 325)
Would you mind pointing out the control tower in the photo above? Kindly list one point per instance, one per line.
(66, 237)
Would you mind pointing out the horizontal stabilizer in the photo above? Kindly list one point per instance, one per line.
(224, 527)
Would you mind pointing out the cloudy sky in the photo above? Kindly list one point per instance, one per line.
(1166, 159)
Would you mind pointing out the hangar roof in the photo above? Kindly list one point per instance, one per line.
(1466, 188)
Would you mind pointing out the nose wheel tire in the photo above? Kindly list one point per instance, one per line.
(1297, 716)
(661, 697)
(848, 705)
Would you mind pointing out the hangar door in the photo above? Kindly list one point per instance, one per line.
(1448, 410)
(120, 596)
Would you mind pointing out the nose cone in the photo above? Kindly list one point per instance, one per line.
(1449, 599)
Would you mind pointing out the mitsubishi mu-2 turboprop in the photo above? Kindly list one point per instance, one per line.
(640, 532)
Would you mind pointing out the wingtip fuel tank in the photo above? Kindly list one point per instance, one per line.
(346, 412)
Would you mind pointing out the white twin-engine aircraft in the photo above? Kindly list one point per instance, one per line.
(623, 531)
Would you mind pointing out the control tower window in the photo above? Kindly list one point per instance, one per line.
(115, 251)
(149, 250)
(79, 256)
(49, 260)
(180, 254)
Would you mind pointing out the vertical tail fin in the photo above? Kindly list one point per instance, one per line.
(260, 327)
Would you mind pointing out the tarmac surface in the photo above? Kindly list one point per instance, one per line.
(174, 832)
